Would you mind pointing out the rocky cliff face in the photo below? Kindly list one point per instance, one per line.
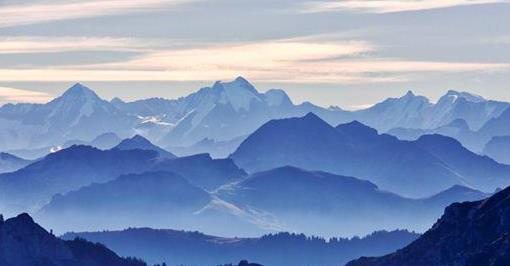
(469, 233)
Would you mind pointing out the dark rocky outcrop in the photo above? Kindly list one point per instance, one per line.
(468, 234)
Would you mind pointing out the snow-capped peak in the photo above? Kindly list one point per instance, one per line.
(239, 93)
(453, 96)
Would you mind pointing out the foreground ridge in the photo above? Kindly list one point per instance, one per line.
(24, 243)
(469, 233)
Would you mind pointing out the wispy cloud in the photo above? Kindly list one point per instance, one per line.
(16, 45)
(22, 95)
(386, 6)
(300, 60)
(14, 15)
(258, 55)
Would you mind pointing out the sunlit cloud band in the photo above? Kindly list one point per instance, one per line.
(384, 6)
(15, 15)
(21, 95)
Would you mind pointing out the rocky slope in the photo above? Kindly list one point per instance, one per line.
(468, 234)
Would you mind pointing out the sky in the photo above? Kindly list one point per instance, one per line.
(350, 53)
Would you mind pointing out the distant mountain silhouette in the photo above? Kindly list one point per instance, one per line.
(223, 112)
(498, 126)
(32, 153)
(25, 243)
(469, 233)
(456, 193)
(326, 204)
(140, 143)
(286, 198)
(406, 111)
(78, 114)
(497, 148)
(412, 111)
(228, 110)
(67, 170)
(151, 198)
(478, 171)
(203, 171)
(283, 249)
(104, 141)
(217, 149)
(457, 129)
(409, 168)
(11, 163)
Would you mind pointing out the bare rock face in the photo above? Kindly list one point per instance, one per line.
(25, 243)
(469, 233)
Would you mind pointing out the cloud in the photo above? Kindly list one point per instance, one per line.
(386, 6)
(22, 95)
(258, 55)
(16, 45)
(289, 60)
(14, 15)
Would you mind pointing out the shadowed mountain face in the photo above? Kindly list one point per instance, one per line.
(413, 169)
(25, 243)
(326, 204)
(66, 170)
(283, 249)
(11, 163)
(469, 233)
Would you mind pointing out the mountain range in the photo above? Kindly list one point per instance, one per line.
(410, 168)
(78, 114)
(229, 160)
(282, 199)
(33, 186)
(221, 112)
(469, 233)
(212, 118)
(326, 204)
(157, 199)
(283, 249)
(82, 184)
(418, 112)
